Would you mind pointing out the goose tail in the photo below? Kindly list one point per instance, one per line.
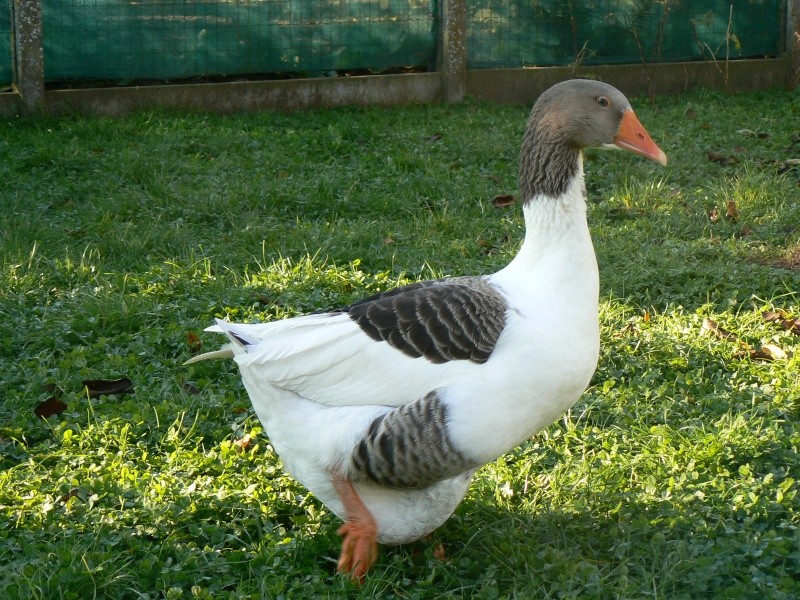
(239, 341)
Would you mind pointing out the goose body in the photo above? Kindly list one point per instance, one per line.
(384, 409)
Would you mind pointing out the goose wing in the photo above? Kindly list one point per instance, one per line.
(389, 349)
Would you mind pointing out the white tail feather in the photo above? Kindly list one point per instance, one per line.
(225, 352)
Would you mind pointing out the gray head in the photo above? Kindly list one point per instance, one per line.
(568, 117)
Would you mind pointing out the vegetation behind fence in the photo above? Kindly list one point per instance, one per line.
(169, 39)
(518, 33)
(122, 41)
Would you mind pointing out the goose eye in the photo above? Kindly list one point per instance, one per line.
(603, 101)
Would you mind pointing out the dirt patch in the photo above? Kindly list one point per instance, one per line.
(789, 259)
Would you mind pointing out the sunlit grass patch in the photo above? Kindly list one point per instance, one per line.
(675, 476)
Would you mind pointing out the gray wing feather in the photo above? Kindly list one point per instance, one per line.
(441, 320)
(408, 448)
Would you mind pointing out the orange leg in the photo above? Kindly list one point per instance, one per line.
(359, 533)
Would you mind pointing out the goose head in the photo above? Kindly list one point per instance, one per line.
(566, 119)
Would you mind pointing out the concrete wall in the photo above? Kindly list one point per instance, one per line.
(507, 86)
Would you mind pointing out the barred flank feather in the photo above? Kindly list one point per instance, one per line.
(408, 448)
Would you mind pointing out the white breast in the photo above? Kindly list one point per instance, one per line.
(549, 349)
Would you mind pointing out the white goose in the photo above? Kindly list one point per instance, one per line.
(384, 409)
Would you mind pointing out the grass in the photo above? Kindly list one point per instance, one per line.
(676, 475)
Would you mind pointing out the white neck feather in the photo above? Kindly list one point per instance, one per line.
(553, 225)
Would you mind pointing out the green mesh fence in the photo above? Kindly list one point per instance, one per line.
(5, 44)
(125, 40)
(177, 39)
(515, 33)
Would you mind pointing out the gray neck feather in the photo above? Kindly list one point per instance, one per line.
(547, 161)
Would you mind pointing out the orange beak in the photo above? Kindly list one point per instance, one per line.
(633, 137)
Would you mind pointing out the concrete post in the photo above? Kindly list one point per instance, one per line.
(452, 50)
(28, 54)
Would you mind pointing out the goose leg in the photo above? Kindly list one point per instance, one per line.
(359, 533)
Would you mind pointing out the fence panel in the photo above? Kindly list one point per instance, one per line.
(517, 33)
(5, 44)
(177, 39)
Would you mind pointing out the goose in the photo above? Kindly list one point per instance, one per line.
(384, 409)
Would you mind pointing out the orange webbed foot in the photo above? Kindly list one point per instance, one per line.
(359, 533)
(359, 549)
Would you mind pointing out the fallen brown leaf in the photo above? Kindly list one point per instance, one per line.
(388, 240)
(190, 388)
(439, 553)
(731, 212)
(503, 200)
(768, 352)
(629, 328)
(784, 166)
(783, 319)
(51, 406)
(100, 387)
(486, 246)
(722, 159)
(242, 443)
(713, 214)
(770, 316)
(711, 327)
(194, 342)
(70, 494)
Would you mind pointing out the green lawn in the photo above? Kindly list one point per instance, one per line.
(675, 476)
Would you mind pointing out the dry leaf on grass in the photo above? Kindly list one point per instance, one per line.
(767, 352)
(721, 159)
(193, 341)
(629, 328)
(711, 327)
(731, 212)
(243, 443)
(100, 387)
(439, 552)
(783, 319)
(51, 406)
(503, 200)
(73, 493)
(190, 388)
